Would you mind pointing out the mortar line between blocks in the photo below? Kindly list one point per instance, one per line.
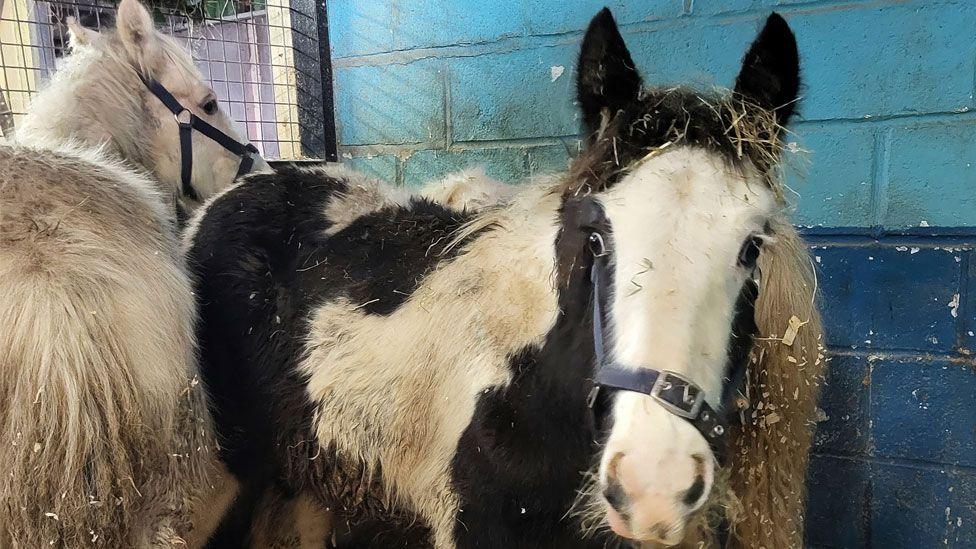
(972, 91)
(879, 175)
(401, 54)
(918, 463)
(869, 364)
(908, 356)
(962, 309)
(448, 117)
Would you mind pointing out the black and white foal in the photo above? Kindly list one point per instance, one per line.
(425, 376)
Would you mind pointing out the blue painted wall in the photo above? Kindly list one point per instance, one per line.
(887, 196)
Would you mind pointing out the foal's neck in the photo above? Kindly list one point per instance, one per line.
(550, 375)
(537, 430)
(94, 100)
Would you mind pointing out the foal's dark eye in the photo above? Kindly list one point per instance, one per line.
(210, 107)
(750, 252)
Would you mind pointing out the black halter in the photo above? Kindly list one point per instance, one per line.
(189, 122)
(674, 392)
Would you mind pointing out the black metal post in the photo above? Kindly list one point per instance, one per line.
(325, 65)
(306, 51)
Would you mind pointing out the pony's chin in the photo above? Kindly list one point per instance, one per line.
(621, 528)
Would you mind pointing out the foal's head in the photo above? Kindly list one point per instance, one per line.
(98, 96)
(675, 190)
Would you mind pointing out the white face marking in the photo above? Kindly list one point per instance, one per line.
(678, 223)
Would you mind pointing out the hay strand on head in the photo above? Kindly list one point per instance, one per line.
(745, 134)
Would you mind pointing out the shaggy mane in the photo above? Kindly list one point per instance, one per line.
(763, 493)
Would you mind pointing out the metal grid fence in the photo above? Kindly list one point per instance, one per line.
(267, 61)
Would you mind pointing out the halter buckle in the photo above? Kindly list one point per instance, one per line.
(691, 395)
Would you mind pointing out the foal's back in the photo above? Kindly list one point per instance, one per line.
(97, 412)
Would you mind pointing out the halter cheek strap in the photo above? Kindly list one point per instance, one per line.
(188, 122)
(674, 392)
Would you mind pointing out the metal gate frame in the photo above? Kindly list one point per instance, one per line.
(279, 84)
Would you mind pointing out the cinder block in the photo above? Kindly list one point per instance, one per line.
(961, 519)
(359, 27)
(838, 502)
(390, 104)
(423, 23)
(967, 329)
(924, 411)
(911, 506)
(889, 298)
(846, 402)
(932, 175)
(832, 174)
(847, 56)
(506, 165)
(550, 159)
(886, 59)
(555, 16)
(711, 7)
(379, 166)
(693, 52)
(526, 93)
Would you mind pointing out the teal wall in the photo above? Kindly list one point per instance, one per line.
(427, 86)
(887, 195)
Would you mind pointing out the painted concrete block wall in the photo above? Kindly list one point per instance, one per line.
(886, 194)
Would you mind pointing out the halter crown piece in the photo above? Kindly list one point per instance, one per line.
(188, 122)
(672, 391)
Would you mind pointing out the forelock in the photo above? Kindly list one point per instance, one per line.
(745, 135)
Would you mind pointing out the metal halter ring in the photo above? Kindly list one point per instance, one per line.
(597, 246)
(189, 117)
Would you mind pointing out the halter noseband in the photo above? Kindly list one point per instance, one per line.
(188, 122)
(672, 391)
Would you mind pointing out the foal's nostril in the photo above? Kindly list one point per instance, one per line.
(660, 531)
(615, 495)
(693, 494)
(697, 490)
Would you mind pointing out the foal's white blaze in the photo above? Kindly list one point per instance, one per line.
(678, 223)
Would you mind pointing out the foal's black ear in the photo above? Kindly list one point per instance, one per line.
(770, 74)
(606, 80)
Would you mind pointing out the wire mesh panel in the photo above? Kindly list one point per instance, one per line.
(262, 57)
